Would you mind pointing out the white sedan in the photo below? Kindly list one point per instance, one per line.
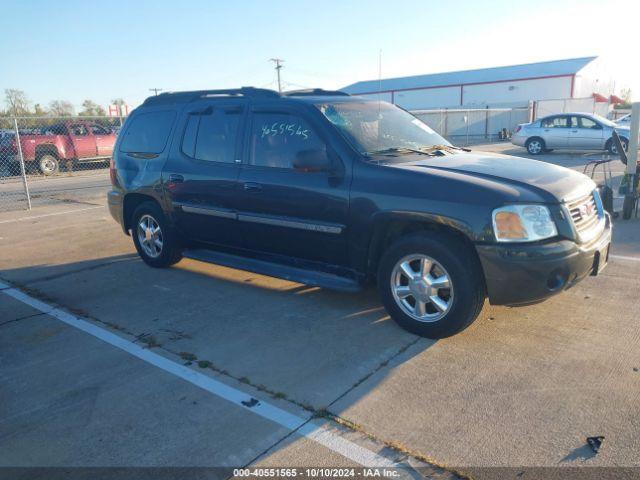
(575, 131)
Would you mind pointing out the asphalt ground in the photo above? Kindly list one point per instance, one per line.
(105, 362)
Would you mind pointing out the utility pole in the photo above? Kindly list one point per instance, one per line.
(155, 90)
(278, 62)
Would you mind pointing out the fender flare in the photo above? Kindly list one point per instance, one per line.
(385, 220)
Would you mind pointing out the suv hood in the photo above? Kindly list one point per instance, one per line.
(553, 183)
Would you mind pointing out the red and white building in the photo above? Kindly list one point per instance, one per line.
(498, 87)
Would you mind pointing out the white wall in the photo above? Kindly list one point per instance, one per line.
(385, 97)
(594, 78)
(516, 93)
(428, 98)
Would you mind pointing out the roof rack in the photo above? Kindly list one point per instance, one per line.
(313, 92)
(183, 97)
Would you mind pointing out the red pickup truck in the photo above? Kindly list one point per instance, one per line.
(69, 142)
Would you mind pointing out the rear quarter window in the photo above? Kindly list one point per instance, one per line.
(148, 132)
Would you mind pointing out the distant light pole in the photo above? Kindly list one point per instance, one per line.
(278, 62)
(155, 90)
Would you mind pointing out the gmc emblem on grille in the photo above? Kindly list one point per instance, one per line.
(585, 210)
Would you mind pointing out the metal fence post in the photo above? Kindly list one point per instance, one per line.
(467, 120)
(23, 170)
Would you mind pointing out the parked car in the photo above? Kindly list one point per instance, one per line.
(332, 190)
(575, 131)
(624, 121)
(71, 142)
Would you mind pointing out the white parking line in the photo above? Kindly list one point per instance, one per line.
(23, 219)
(623, 257)
(308, 429)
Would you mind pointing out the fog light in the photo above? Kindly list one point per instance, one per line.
(557, 279)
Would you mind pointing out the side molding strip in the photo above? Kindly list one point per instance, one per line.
(283, 222)
(265, 220)
(212, 212)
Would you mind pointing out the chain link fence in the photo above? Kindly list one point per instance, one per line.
(473, 126)
(54, 159)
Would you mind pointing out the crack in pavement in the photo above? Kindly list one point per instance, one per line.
(22, 318)
(89, 268)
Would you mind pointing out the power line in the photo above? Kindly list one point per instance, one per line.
(278, 62)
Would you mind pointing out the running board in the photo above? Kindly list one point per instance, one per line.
(295, 274)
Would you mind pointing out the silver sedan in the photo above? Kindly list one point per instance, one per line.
(576, 131)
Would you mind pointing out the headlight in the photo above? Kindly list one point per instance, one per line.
(523, 223)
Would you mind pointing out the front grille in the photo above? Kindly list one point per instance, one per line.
(584, 213)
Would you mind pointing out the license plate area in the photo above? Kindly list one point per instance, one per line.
(600, 260)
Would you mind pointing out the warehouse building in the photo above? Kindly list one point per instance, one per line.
(499, 87)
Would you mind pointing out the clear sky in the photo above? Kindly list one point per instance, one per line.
(74, 50)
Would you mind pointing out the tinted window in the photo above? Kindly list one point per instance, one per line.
(148, 132)
(212, 136)
(555, 122)
(79, 130)
(278, 138)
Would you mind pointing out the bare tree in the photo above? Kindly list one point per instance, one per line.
(625, 94)
(61, 108)
(90, 108)
(16, 101)
(38, 110)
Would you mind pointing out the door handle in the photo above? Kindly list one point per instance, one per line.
(175, 178)
(574, 131)
(252, 187)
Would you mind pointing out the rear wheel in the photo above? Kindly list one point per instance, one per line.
(431, 284)
(48, 164)
(535, 146)
(154, 239)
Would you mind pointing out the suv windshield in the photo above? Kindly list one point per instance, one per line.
(380, 126)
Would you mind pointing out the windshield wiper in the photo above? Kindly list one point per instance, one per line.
(398, 150)
(444, 148)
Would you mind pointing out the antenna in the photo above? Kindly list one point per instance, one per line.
(379, 92)
(155, 90)
(278, 62)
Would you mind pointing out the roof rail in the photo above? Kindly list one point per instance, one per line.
(315, 92)
(183, 97)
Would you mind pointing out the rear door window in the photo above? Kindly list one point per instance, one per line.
(148, 132)
(278, 138)
(212, 134)
(556, 122)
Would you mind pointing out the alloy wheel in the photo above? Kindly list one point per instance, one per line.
(422, 288)
(150, 236)
(535, 147)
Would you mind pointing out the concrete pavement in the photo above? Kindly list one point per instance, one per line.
(520, 387)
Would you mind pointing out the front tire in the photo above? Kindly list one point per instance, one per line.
(535, 146)
(613, 149)
(154, 239)
(48, 164)
(431, 284)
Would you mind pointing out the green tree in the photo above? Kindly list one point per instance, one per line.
(91, 109)
(16, 101)
(61, 108)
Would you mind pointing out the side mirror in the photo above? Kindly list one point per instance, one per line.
(314, 160)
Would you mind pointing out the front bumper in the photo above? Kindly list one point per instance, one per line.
(525, 274)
